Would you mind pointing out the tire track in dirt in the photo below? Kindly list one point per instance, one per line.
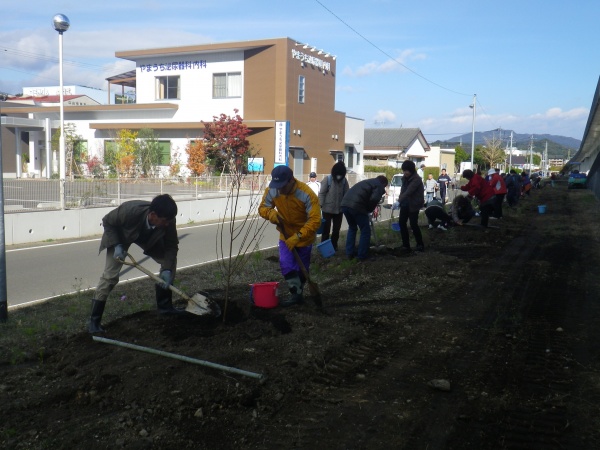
(530, 410)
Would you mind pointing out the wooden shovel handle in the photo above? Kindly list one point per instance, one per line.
(156, 278)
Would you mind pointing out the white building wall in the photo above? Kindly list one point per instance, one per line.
(355, 136)
(196, 83)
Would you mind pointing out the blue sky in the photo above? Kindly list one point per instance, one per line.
(533, 64)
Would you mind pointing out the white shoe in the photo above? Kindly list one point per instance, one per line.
(442, 227)
(430, 227)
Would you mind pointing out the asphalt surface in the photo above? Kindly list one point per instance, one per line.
(41, 272)
(45, 271)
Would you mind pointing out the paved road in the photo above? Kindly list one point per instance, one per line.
(38, 273)
(41, 272)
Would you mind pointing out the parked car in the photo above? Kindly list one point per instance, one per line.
(577, 180)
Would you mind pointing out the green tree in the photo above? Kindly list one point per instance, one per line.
(75, 149)
(147, 156)
(460, 155)
(120, 157)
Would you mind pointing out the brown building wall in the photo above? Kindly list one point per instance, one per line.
(271, 93)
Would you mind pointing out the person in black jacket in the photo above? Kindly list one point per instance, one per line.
(411, 201)
(152, 227)
(359, 201)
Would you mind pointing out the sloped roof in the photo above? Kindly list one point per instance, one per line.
(393, 138)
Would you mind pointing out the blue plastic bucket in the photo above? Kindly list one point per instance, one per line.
(326, 248)
(395, 226)
(542, 209)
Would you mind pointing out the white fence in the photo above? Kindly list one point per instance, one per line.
(23, 195)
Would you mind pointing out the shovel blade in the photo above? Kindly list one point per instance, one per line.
(201, 305)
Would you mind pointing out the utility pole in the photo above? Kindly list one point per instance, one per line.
(530, 154)
(546, 165)
(511, 147)
(474, 106)
(3, 286)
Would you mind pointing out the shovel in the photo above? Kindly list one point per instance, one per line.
(199, 304)
(313, 288)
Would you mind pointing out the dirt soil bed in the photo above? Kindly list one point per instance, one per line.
(487, 340)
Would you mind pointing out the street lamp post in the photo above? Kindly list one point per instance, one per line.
(61, 24)
(473, 106)
(3, 290)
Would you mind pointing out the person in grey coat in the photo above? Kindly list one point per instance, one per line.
(411, 201)
(333, 189)
(361, 199)
(151, 226)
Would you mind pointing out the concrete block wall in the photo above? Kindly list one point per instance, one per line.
(40, 226)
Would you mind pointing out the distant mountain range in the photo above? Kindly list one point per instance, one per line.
(558, 146)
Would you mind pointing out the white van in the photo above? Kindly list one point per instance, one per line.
(393, 189)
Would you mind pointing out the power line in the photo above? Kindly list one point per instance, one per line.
(388, 55)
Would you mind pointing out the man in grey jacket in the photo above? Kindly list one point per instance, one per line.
(361, 199)
(333, 189)
(150, 225)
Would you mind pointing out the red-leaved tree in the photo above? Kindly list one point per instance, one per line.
(226, 142)
(238, 234)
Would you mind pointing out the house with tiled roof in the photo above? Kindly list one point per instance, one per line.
(392, 146)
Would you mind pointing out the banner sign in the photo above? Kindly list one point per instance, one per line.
(282, 143)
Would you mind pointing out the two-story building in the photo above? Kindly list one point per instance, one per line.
(284, 91)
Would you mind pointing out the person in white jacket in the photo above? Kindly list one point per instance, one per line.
(430, 187)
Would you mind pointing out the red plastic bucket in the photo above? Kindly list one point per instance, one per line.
(264, 295)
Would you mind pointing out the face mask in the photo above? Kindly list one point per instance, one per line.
(338, 177)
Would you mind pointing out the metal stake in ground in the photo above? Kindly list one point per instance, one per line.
(179, 357)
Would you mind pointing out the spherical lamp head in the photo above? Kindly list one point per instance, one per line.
(61, 23)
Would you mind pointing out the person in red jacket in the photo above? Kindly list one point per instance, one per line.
(499, 186)
(477, 187)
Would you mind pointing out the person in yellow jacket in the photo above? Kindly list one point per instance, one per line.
(294, 208)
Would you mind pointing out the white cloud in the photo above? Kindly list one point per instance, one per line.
(558, 113)
(460, 121)
(391, 65)
(385, 117)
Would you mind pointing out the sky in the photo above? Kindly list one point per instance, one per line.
(533, 64)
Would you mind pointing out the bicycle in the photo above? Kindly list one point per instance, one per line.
(377, 211)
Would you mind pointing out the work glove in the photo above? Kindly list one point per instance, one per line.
(292, 241)
(165, 276)
(119, 253)
(274, 217)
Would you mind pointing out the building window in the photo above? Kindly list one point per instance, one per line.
(167, 87)
(301, 88)
(227, 85)
(165, 153)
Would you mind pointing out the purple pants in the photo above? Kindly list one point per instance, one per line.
(288, 263)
